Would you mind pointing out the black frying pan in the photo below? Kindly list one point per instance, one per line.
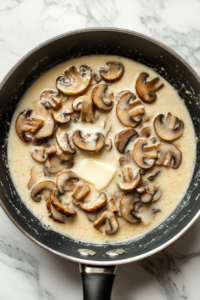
(96, 268)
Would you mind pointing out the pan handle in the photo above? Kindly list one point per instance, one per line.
(97, 281)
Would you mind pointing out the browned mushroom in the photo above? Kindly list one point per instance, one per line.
(48, 126)
(39, 154)
(93, 204)
(74, 82)
(108, 144)
(123, 137)
(63, 156)
(146, 90)
(127, 207)
(112, 72)
(91, 143)
(111, 206)
(144, 155)
(51, 98)
(25, 123)
(61, 116)
(56, 202)
(145, 132)
(101, 99)
(129, 182)
(42, 189)
(85, 105)
(53, 213)
(66, 181)
(81, 191)
(168, 155)
(54, 165)
(128, 109)
(107, 223)
(62, 138)
(35, 177)
(169, 127)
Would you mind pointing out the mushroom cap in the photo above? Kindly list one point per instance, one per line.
(53, 213)
(126, 207)
(81, 191)
(55, 201)
(146, 90)
(43, 187)
(91, 143)
(85, 105)
(112, 72)
(48, 125)
(107, 223)
(100, 99)
(51, 98)
(54, 165)
(145, 132)
(61, 116)
(169, 155)
(39, 154)
(129, 182)
(74, 82)
(128, 109)
(62, 139)
(66, 181)
(93, 204)
(123, 137)
(168, 128)
(144, 155)
(25, 123)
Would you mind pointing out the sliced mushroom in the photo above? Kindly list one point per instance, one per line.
(143, 186)
(85, 105)
(74, 82)
(168, 155)
(93, 204)
(169, 127)
(63, 156)
(123, 137)
(66, 181)
(35, 177)
(81, 191)
(91, 143)
(129, 182)
(101, 99)
(107, 223)
(62, 138)
(25, 123)
(153, 174)
(51, 150)
(39, 155)
(108, 144)
(53, 213)
(112, 72)
(61, 208)
(127, 207)
(42, 189)
(122, 161)
(145, 213)
(111, 206)
(145, 132)
(61, 116)
(157, 193)
(144, 155)
(146, 197)
(51, 98)
(53, 165)
(146, 90)
(48, 126)
(128, 109)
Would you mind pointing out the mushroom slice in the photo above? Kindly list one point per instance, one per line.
(85, 105)
(146, 197)
(107, 223)
(51, 150)
(91, 143)
(126, 207)
(53, 213)
(102, 100)
(144, 155)
(53, 165)
(55, 201)
(112, 72)
(74, 82)
(153, 174)
(128, 109)
(169, 127)
(66, 181)
(157, 193)
(35, 177)
(93, 204)
(146, 90)
(25, 123)
(51, 98)
(129, 182)
(145, 132)
(61, 116)
(123, 137)
(81, 191)
(42, 189)
(63, 156)
(108, 144)
(145, 212)
(39, 155)
(48, 126)
(111, 206)
(168, 155)
(62, 138)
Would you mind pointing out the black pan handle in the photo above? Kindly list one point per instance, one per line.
(97, 281)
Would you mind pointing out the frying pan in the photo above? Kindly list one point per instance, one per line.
(97, 262)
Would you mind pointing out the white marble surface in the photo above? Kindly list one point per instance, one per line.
(26, 270)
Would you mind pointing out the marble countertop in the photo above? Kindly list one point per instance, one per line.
(26, 270)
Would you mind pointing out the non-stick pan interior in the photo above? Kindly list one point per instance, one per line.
(98, 41)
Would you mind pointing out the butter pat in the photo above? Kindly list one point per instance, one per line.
(96, 173)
